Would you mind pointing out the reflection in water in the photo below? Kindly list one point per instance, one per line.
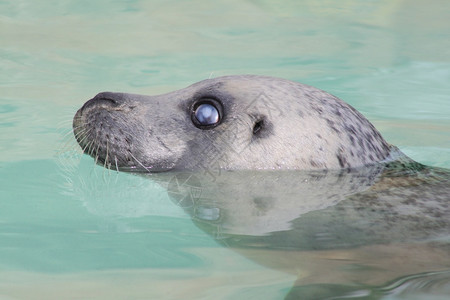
(378, 230)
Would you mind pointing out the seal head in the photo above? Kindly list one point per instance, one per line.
(241, 122)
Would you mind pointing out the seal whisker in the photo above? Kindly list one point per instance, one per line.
(91, 149)
(106, 157)
(68, 145)
(66, 123)
(82, 135)
(96, 153)
(117, 167)
(88, 144)
(70, 132)
(146, 168)
(67, 142)
(77, 131)
(76, 120)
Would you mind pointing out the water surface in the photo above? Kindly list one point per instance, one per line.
(69, 229)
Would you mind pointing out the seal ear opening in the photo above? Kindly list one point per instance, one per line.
(262, 127)
(258, 126)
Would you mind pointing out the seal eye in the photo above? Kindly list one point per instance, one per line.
(206, 114)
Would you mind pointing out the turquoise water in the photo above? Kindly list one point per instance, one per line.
(72, 230)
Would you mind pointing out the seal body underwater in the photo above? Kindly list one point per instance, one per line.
(232, 123)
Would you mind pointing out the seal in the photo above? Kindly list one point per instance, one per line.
(242, 122)
(340, 188)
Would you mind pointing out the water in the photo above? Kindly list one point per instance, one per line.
(70, 229)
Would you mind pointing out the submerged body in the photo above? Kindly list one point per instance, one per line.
(366, 226)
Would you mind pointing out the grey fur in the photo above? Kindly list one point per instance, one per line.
(299, 127)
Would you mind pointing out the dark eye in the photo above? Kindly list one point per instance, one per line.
(206, 114)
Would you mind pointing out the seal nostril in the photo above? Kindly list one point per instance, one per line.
(105, 99)
(113, 102)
